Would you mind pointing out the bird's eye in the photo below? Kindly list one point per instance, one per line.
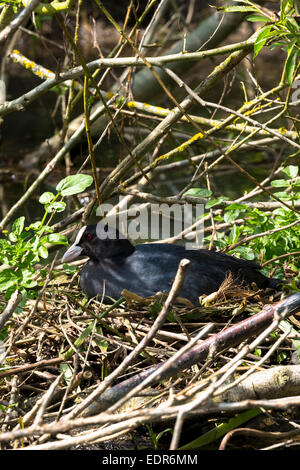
(89, 236)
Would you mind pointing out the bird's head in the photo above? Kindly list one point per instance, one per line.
(97, 242)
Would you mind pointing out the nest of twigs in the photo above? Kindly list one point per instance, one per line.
(60, 349)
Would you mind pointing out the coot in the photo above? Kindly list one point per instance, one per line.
(145, 269)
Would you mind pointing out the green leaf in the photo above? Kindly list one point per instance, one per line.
(7, 279)
(236, 205)
(262, 39)
(57, 206)
(214, 202)
(245, 252)
(46, 198)
(43, 252)
(57, 239)
(221, 429)
(101, 343)
(120, 101)
(29, 283)
(281, 356)
(280, 183)
(291, 171)
(233, 9)
(283, 5)
(35, 226)
(198, 192)
(79, 341)
(69, 269)
(34, 243)
(283, 195)
(12, 237)
(18, 225)
(67, 371)
(74, 184)
(257, 18)
(5, 244)
(230, 216)
(3, 334)
(291, 63)
(292, 25)
(9, 292)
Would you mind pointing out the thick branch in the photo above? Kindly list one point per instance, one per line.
(225, 339)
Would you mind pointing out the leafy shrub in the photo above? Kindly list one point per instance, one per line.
(256, 221)
(24, 246)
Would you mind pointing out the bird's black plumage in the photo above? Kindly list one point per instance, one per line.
(115, 264)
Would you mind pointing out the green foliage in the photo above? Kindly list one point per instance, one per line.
(156, 436)
(24, 246)
(68, 269)
(198, 192)
(67, 372)
(262, 38)
(256, 221)
(282, 31)
(74, 184)
(4, 408)
(221, 429)
(257, 18)
(10, 2)
(215, 201)
(79, 341)
(281, 356)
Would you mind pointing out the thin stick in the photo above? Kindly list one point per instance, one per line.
(10, 308)
(45, 401)
(21, 18)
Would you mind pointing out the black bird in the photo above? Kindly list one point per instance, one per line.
(145, 269)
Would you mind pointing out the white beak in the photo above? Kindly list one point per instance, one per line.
(74, 251)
